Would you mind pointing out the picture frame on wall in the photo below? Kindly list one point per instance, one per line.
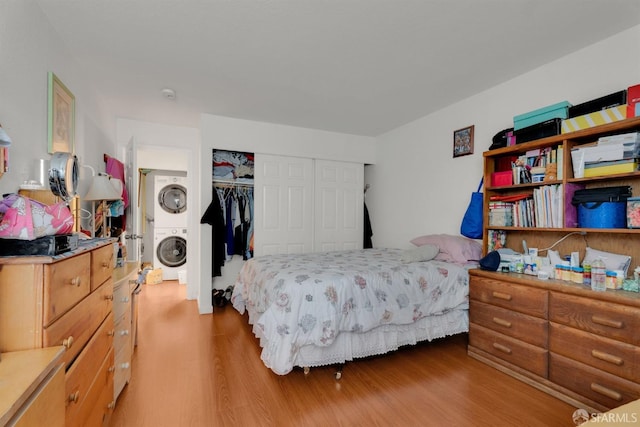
(463, 141)
(61, 119)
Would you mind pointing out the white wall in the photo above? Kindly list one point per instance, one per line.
(417, 187)
(225, 133)
(29, 49)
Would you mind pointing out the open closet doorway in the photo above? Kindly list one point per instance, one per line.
(158, 223)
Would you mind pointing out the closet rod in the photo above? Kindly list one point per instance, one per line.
(231, 184)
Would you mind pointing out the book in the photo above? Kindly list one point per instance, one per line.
(610, 168)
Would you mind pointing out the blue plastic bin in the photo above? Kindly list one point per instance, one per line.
(602, 215)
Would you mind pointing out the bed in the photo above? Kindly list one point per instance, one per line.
(328, 308)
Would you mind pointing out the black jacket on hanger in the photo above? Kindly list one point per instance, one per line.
(215, 217)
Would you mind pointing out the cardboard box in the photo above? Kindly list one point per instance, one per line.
(154, 277)
(610, 168)
(559, 110)
(501, 179)
(633, 212)
(551, 127)
(604, 102)
(633, 101)
(598, 118)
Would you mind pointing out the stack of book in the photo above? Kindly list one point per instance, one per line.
(544, 208)
(611, 155)
(500, 214)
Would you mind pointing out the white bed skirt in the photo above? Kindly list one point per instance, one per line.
(381, 340)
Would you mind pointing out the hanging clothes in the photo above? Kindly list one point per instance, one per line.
(214, 216)
(367, 242)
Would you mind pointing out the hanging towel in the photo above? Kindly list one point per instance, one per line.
(115, 168)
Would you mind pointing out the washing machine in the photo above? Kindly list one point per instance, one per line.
(170, 206)
(170, 251)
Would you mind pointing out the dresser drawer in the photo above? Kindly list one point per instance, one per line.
(517, 325)
(615, 321)
(122, 365)
(96, 408)
(74, 329)
(121, 301)
(523, 299)
(612, 356)
(102, 264)
(601, 387)
(65, 283)
(122, 336)
(519, 353)
(82, 373)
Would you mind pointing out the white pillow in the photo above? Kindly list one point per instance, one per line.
(611, 261)
(421, 253)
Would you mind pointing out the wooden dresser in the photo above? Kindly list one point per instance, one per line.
(32, 387)
(66, 300)
(578, 345)
(125, 281)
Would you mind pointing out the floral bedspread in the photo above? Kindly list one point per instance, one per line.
(296, 300)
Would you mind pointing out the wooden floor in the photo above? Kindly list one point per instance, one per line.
(205, 370)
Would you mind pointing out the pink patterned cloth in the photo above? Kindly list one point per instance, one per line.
(27, 219)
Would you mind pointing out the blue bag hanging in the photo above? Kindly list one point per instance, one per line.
(471, 226)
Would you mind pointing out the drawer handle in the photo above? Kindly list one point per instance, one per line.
(111, 405)
(502, 322)
(502, 348)
(109, 297)
(607, 357)
(74, 397)
(111, 369)
(76, 281)
(501, 295)
(125, 332)
(133, 281)
(111, 333)
(68, 342)
(124, 365)
(607, 322)
(125, 299)
(605, 391)
(105, 264)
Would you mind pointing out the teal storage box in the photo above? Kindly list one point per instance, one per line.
(555, 111)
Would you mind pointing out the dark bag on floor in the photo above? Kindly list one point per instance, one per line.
(471, 226)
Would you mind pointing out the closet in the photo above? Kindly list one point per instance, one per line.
(284, 204)
(307, 205)
(231, 212)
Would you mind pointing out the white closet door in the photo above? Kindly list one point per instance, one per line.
(339, 205)
(283, 202)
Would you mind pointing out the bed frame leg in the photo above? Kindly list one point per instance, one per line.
(339, 369)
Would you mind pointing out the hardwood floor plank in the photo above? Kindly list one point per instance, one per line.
(205, 370)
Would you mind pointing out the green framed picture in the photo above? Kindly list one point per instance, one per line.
(62, 116)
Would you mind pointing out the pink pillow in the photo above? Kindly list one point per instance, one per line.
(455, 249)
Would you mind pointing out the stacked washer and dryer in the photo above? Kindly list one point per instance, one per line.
(170, 225)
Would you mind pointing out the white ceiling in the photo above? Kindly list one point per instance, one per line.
(353, 66)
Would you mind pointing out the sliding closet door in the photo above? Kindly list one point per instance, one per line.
(283, 196)
(339, 205)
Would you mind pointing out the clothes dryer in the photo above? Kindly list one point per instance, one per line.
(170, 251)
(170, 205)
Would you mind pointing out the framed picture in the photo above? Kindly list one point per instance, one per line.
(62, 116)
(463, 141)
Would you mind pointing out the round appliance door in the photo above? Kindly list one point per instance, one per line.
(172, 251)
(173, 199)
